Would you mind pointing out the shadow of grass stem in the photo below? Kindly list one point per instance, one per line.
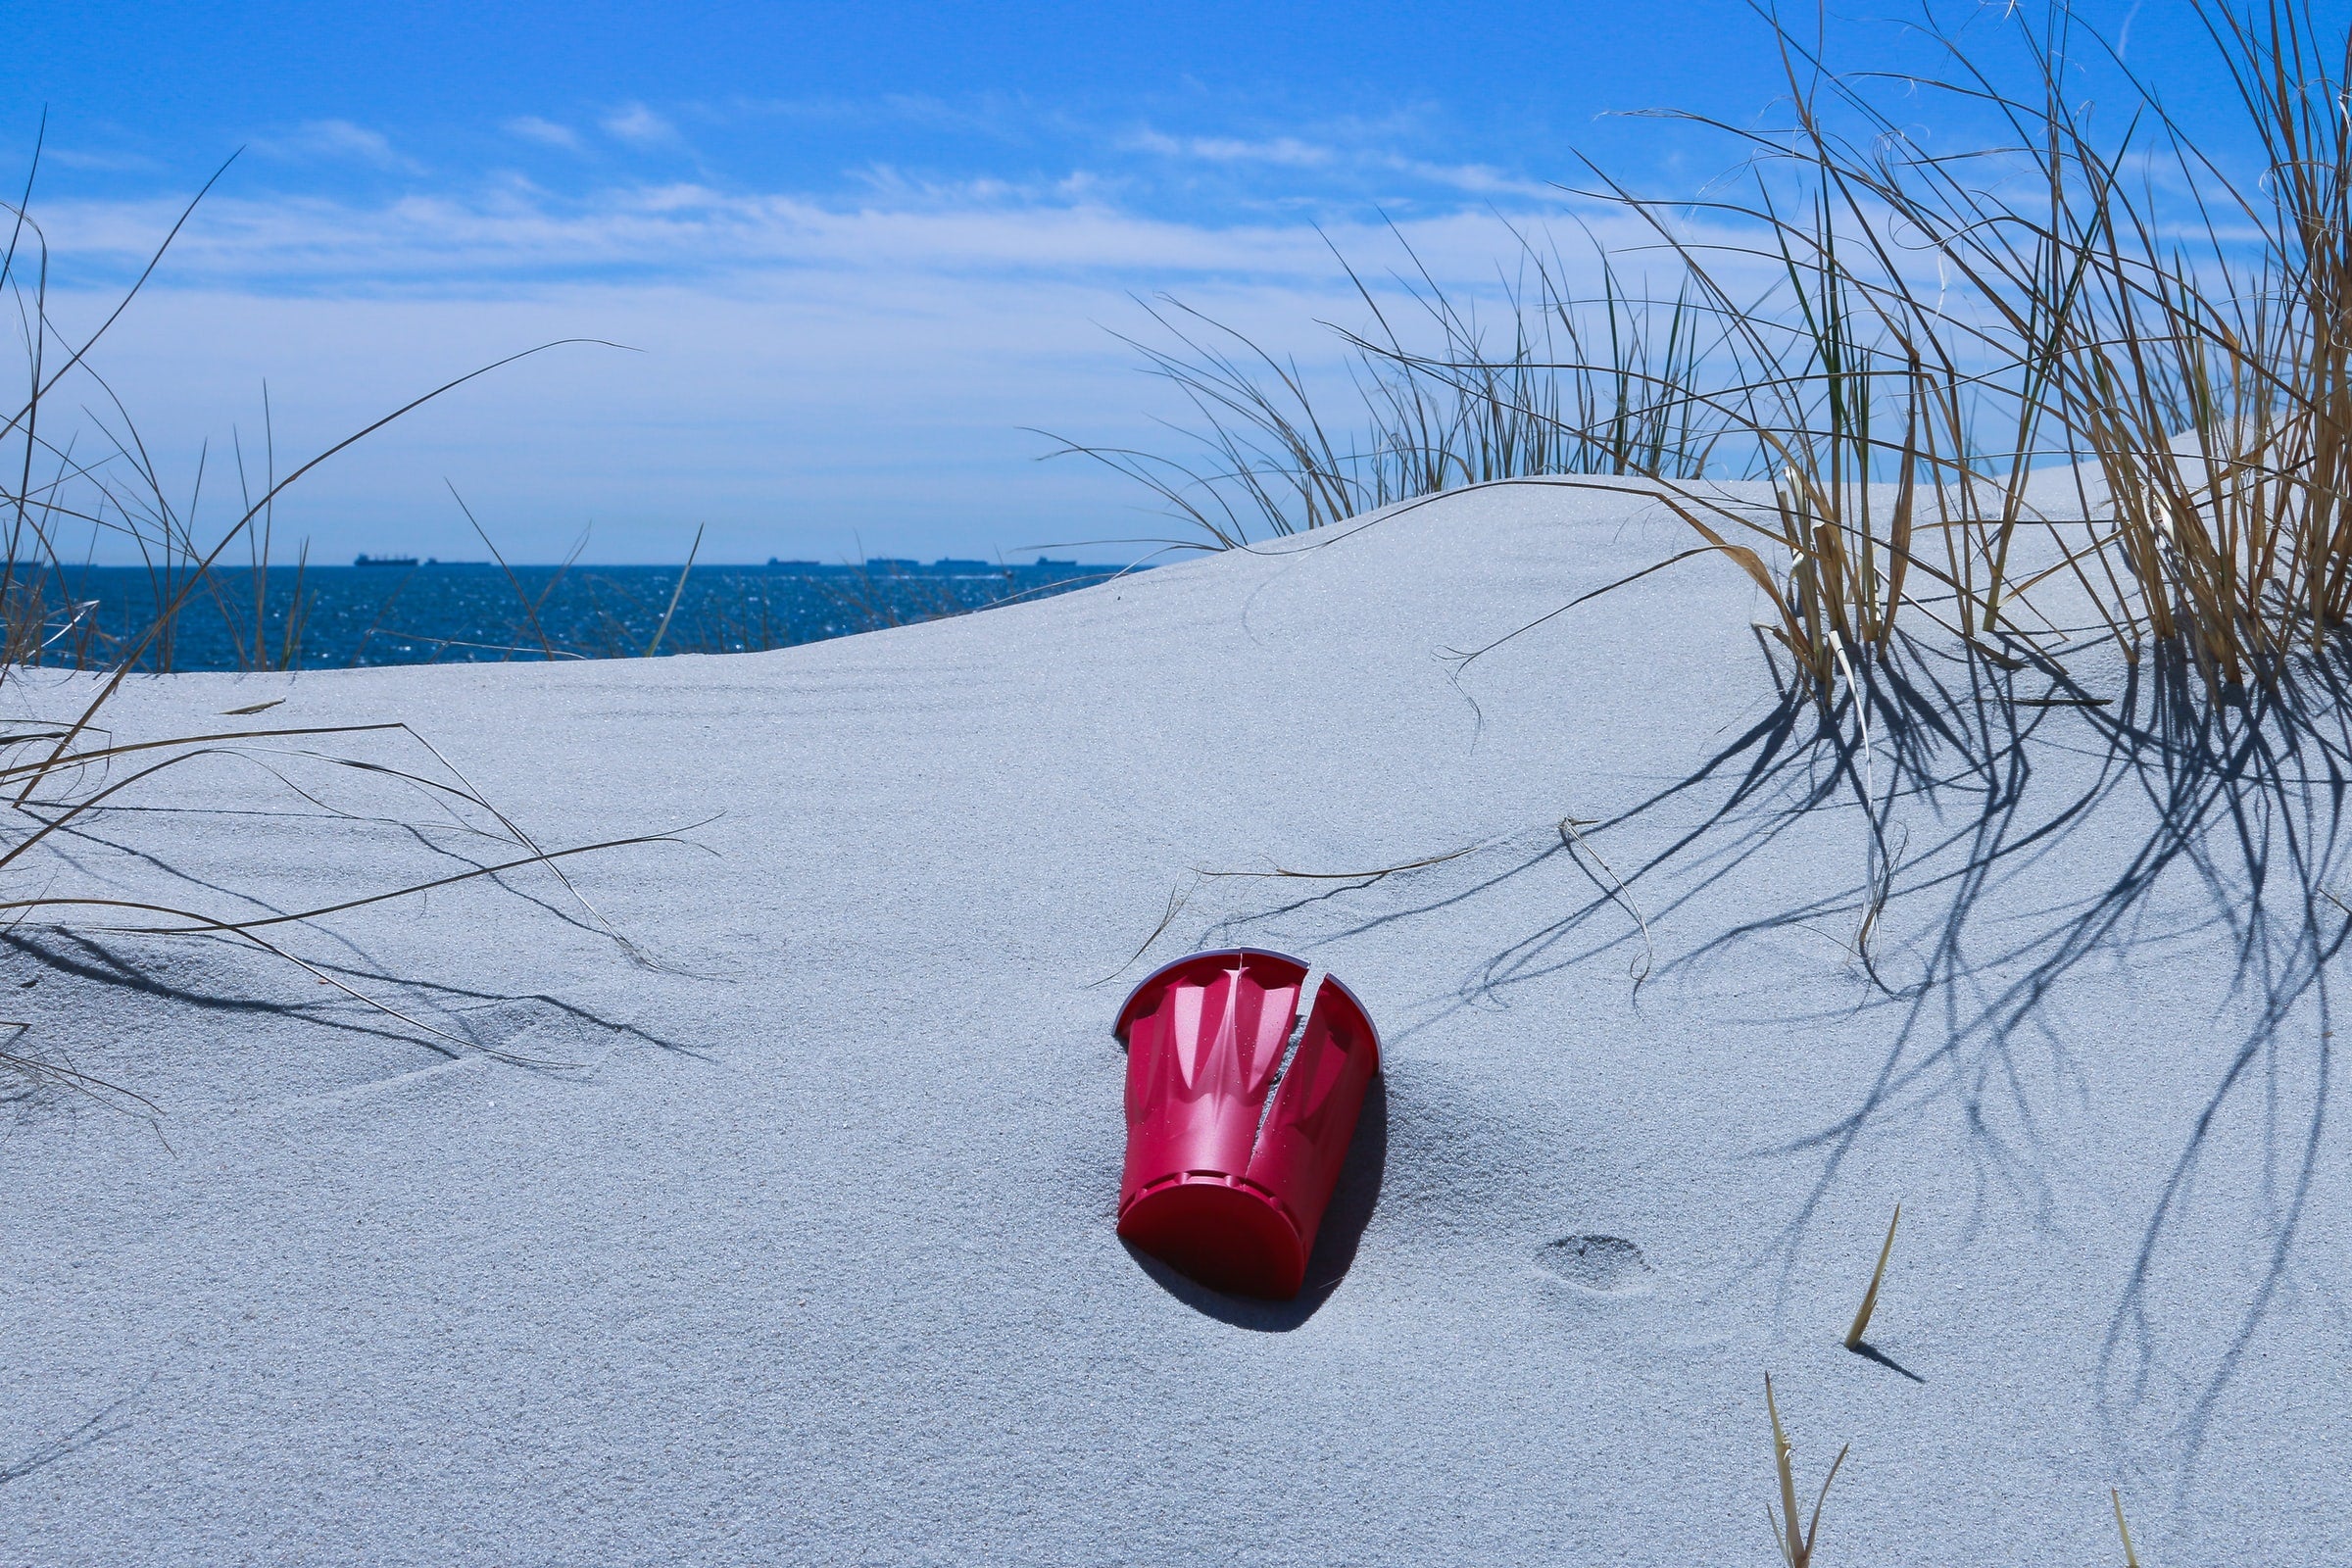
(1797, 1549)
(1878, 1276)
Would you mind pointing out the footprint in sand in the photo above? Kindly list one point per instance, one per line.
(1606, 1265)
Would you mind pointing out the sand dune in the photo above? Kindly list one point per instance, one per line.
(809, 1258)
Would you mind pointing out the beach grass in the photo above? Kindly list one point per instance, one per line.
(1578, 387)
(62, 774)
(2138, 314)
(1896, 328)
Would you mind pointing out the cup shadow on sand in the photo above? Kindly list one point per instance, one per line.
(1343, 1222)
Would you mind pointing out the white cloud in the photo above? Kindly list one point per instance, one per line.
(1482, 179)
(1287, 151)
(799, 415)
(546, 133)
(101, 163)
(680, 231)
(1356, 150)
(338, 140)
(797, 352)
(640, 126)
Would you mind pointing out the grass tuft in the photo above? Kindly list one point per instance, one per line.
(1922, 291)
(60, 779)
(1434, 401)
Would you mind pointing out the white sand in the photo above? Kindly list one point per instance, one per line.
(814, 1263)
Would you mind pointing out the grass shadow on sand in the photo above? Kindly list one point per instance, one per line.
(2018, 829)
(2232, 810)
(110, 1419)
(487, 1019)
(117, 900)
(1351, 1205)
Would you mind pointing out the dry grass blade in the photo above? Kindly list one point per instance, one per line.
(193, 924)
(2131, 1558)
(51, 767)
(1795, 1543)
(530, 608)
(190, 922)
(1573, 840)
(112, 1096)
(663, 630)
(45, 381)
(455, 1044)
(1178, 898)
(1582, 386)
(1878, 1276)
(77, 801)
(1352, 876)
(1934, 328)
(1745, 557)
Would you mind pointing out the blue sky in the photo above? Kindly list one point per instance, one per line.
(854, 250)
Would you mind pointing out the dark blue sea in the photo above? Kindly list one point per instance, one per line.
(327, 618)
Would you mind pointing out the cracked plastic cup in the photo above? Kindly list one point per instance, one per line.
(1218, 1184)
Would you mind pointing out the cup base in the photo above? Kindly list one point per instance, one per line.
(1219, 1230)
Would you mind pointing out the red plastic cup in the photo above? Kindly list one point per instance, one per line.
(1217, 1185)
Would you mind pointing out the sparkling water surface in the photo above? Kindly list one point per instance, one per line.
(327, 618)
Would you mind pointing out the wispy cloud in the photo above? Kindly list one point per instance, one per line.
(546, 133)
(1285, 151)
(641, 126)
(1478, 179)
(101, 163)
(797, 350)
(687, 231)
(1350, 154)
(799, 342)
(338, 140)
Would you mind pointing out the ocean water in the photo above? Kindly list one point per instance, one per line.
(339, 616)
